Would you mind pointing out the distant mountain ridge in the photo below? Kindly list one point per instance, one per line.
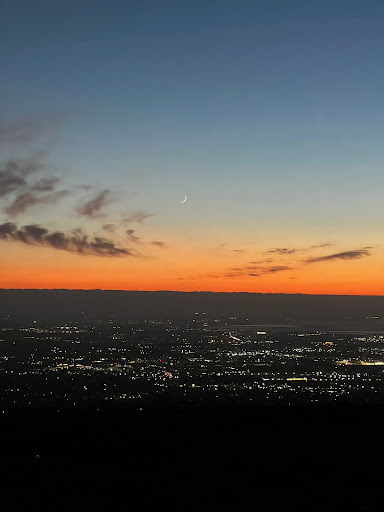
(338, 311)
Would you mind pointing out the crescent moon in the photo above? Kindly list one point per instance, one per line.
(183, 201)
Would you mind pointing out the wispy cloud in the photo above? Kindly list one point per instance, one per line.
(93, 208)
(132, 237)
(138, 216)
(27, 182)
(14, 174)
(20, 189)
(25, 201)
(158, 243)
(320, 246)
(346, 255)
(261, 268)
(251, 271)
(277, 268)
(45, 184)
(110, 228)
(285, 251)
(282, 251)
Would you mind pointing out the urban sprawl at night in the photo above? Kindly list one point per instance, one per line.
(98, 362)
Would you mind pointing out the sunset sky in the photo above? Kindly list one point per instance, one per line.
(268, 115)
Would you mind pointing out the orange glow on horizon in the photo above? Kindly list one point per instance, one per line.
(187, 270)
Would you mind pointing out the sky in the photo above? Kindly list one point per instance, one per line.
(267, 115)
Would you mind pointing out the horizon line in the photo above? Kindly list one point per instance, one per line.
(190, 291)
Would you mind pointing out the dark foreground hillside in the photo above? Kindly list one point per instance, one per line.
(173, 458)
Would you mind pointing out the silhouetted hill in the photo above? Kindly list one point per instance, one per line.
(334, 311)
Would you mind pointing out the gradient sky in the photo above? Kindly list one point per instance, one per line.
(268, 114)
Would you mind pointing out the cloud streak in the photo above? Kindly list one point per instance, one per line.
(346, 255)
(24, 201)
(283, 251)
(45, 184)
(252, 271)
(14, 174)
(139, 217)
(25, 183)
(159, 244)
(20, 191)
(320, 246)
(260, 269)
(110, 228)
(75, 242)
(132, 237)
(94, 207)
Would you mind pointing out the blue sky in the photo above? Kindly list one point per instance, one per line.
(258, 110)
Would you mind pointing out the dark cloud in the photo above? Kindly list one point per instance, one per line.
(258, 262)
(234, 274)
(252, 271)
(259, 269)
(21, 203)
(94, 207)
(110, 228)
(7, 229)
(282, 251)
(157, 243)
(14, 174)
(75, 242)
(346, 255)
(15, 179)
(25, 183)
(278, 268)
(10, 183)
(24, 201)
(45, 184)
(132, 237)
(139, 216)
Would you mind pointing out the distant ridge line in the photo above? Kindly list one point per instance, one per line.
(362, 312)
(186, 292)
